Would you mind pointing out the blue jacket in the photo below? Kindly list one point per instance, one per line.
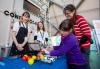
(69, 46)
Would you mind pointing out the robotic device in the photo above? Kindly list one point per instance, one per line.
(47, 58)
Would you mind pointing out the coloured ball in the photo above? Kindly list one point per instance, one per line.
(42, 51)
(42, 56)
(34, 57)
(24, 58)
(38, 57)
(30, 61)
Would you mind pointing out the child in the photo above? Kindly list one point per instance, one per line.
(20, 34)
(69, 46)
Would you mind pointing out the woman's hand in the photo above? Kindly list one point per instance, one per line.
(25, 41)
(20, 47)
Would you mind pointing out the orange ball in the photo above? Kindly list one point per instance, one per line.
(38, 57)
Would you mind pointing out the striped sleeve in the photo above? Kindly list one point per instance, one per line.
(84, 26)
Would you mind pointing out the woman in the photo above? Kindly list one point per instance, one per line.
(41, 34)
(80, 27)
(20, 34)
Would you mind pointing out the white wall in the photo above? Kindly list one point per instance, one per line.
(56, 16)
(90, 10)
(5, 21)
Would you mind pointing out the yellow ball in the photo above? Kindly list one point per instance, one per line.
(30, 61)
(34, 57)
(42, 56)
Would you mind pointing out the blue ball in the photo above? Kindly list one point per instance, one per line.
(2, 64)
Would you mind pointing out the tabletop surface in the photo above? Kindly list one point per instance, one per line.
(18, 63)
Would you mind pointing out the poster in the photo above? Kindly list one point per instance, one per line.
(96, 24)
(54, 40)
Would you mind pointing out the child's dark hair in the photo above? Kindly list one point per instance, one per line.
(65, 25)
(71, 8)
(26, 14)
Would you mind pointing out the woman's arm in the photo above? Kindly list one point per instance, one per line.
(84, 27)
(14, 32)
(19, 46)
(27, 37)
(14, 38)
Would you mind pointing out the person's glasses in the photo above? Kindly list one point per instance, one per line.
(67, 13)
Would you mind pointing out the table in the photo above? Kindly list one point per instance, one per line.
(18, 63)
(4, 50)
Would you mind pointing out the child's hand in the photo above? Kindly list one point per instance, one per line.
(49, 49)
(47, 52)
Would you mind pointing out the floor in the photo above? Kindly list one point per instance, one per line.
(94, 58)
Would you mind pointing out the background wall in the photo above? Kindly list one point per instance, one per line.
(6, 22)
(90, 9)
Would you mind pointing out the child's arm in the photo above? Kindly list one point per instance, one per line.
(55, 47)
(63, 49)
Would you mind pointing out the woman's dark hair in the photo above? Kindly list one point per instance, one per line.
(38, 28)
(71, 8)
(65, 25)
(26, 14)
